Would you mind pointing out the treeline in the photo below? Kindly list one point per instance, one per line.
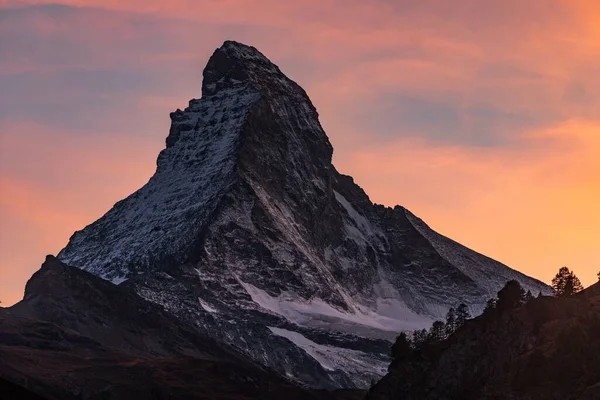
(440, 330)
(511, 296)
(407, 346)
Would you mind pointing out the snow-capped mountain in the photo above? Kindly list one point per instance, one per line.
(247, 230)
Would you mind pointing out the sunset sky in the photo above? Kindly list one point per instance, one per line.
(481, 117)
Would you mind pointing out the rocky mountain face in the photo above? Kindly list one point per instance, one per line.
(546, 350)
(76, 336)
(248, 233)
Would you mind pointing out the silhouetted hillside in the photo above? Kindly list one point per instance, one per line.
(546, 349)
(76, 336)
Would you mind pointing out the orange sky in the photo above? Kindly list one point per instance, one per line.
(483, 118)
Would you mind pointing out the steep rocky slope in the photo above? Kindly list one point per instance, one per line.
(548, 349)
(248, 232)
(75, 336)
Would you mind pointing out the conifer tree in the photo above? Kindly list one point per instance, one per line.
(565, 283)
(401, 348)
(450, 322)
(462, 315)
(510, 296)
(437, 333)
(490, 305)
(528, 296)
(419, 337)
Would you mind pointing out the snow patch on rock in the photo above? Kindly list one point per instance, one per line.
(333, 358)
(206, 306)
(391, 315)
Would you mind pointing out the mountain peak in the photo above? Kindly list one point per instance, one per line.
(236, 63)
(247, 231)
(241, 51)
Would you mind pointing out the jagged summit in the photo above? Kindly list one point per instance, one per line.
(235, 63)
(248, 231)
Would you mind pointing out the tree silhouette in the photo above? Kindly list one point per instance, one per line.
(510, 296)
(402, 348)
(528, 296)
(599, 276)
(437, 331)
(462, 314)
(490, 305)
(419, 337)
(565, 283)
(450, 322)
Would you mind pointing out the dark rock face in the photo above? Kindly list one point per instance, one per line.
(76, 336)
(248, 232)
(114, 316)
(547, 349)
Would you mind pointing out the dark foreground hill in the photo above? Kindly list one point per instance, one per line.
(546, 349)
(76, 336)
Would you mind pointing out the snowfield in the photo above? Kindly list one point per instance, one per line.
(389, 318)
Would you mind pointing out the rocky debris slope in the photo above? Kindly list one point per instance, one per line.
(248, 232)
(76, 336)
(547, 349)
